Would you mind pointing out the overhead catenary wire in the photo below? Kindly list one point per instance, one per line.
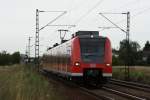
(137, 14)
(89, 11)
(132, 16)
(63, 12)
(81, 16)
(70, 10)
(141, 12)
(113, 22)
(127, 4)
(57, 18)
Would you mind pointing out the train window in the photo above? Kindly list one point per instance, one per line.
(92, 49)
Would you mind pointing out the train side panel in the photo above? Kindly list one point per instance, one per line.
(57, 59)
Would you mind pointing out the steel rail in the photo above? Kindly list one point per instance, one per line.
(133, 85)
(126, 95)
(96, 95)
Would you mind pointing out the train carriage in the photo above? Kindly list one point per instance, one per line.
(87, 56)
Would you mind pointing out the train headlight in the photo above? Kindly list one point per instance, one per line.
(92, 36)
(77, 64)
(108, 65)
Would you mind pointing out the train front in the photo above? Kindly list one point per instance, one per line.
(92, 57)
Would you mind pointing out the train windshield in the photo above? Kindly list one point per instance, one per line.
(92, 49)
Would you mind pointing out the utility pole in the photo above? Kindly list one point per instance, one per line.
(26, 55)
(127, 31)
(128, 46)
(37, 55)
(29, 48)
(37, 41)
(62, 37)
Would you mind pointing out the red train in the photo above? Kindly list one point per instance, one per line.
(86, 56)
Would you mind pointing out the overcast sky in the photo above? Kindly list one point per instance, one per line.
(17, 20)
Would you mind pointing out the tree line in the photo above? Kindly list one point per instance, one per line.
(8, 59)
(128, 53)
(132, 54)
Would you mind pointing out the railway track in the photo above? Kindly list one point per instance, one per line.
(123, 94)
(112, 94)
(93, 93)
(135, 89)
(56, 79)
(133, 85)
(104, 93)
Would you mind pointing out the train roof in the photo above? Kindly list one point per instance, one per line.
(87, 34)
(81, 34)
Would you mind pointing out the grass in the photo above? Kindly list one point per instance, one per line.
(20, 82)
(138, 74)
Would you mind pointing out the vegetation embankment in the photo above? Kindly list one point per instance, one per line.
(18, 82)
(131, 54)
(138, 74)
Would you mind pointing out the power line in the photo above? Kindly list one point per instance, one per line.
(90, 10)
(52, 11)
(141, 12)
(62, 25)
(71, 9)
(74, 7)
(113, 22)
(127, 4)
(64, 12)
(133, 16)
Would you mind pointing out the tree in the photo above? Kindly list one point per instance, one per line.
(148, 60)
(115, 58)
(128, 53)
(7, 59)
(16, 57)
(146, 52)
(147, 46)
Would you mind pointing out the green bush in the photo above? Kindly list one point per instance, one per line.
(8, 59)
(135, 75)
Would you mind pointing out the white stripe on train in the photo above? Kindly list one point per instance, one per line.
(76, 74)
